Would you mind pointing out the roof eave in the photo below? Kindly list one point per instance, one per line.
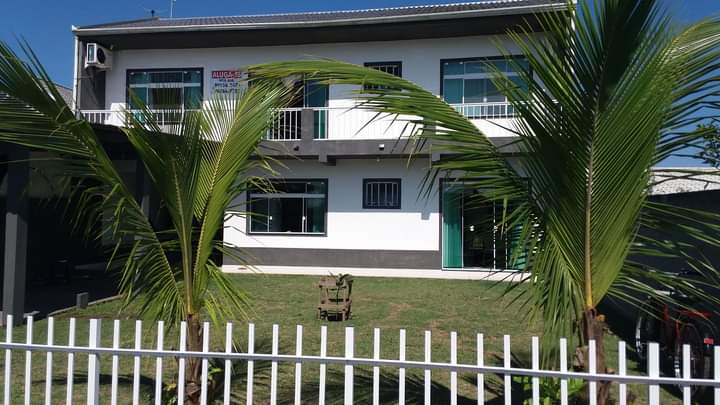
(80, 31)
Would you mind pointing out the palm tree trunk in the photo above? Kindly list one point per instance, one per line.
(192, 366)
(594, 329)
(593, 325)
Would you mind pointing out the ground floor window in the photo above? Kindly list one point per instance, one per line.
(289, 206)
(381, 193)
(471, 233)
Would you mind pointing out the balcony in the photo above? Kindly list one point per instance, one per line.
(121, 117)
(332, 123)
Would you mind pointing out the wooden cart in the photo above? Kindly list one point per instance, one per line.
(335, 298)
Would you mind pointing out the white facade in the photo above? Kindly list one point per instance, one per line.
(413, 227)
(353, 236)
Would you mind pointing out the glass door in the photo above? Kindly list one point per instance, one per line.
(472, 233)
(316, 96)
(478, 232)
(452, 231)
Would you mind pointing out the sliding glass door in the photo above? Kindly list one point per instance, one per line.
(472, 233)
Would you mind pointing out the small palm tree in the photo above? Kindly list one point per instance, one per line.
(614, 87)
(197, 172)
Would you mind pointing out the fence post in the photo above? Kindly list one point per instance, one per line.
(428, 375)
(653, 372)
(535, 366)
(592, 366)
(686, 373)
(115, 364)
(250, 364)
(480, 363)
(563, 369)
(274, 365)
(453, 373)
(401, 372)
(323, 366)
(136, 364)
(49, 361)
(349, 354)
(228, 362)
(93, 384)
(28, 359)
(298, 363)
(204, 364)
(376, 369)
(716, 367)
(181, 363)
(70, 363)
(8, 360)
(159, 363)
(622, 370)
(507, 378)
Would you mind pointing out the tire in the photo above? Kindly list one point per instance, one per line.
(647, 329)
(700, 354)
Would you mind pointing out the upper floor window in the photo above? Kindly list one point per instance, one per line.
(394, 68)
(467, 81)
(165, 88)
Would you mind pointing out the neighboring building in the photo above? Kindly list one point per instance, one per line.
(351, 200)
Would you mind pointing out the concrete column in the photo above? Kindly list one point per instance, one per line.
(16, 236)
(307, 128)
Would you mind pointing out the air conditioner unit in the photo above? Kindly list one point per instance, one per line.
(97, 56)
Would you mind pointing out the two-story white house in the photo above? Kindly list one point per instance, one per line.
(347, 196)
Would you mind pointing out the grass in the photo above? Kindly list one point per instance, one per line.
(416, 305)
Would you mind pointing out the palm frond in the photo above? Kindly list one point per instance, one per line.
(612, 89)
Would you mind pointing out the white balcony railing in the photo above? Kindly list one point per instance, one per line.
(121, 117)
(332, 123)
(485, 111)
(286, 125)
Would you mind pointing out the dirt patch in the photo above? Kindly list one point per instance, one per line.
(435, 329)
(396, 310)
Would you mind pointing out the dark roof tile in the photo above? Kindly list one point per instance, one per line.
(323, 16)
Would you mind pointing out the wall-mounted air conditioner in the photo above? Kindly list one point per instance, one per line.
(98, 56)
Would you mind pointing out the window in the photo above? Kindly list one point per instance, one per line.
(394, 68)
(165, 88)
(291, 206)
(468, 81)
(381, 193)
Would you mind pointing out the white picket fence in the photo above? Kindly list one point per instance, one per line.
(159, 354)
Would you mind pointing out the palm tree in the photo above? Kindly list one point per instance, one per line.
(197, 172)
(614, 87)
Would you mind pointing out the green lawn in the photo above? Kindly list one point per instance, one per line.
(440, 306)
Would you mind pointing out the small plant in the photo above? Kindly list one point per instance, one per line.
(550, 389)
(339, 282)
(339, 278)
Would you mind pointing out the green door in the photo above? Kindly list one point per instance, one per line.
(452, 230)
(317, 95)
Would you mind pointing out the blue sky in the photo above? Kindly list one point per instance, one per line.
(46, 23)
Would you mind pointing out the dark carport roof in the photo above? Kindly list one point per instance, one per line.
(409, 13)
